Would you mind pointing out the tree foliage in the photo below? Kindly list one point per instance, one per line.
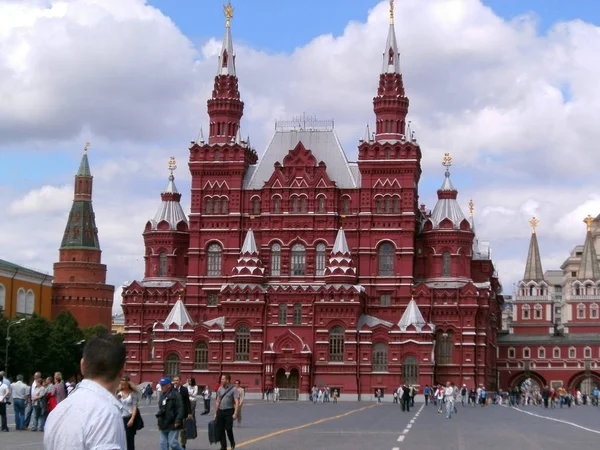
(40, 345)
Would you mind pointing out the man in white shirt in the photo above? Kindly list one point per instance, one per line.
(449, 399)
(20, 393)
(4, 396)
(29, 406)
(90, 417)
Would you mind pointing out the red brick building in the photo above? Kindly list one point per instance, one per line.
(302, 268)
(553, 332)
(79, 283)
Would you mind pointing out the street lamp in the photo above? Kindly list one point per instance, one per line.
(8, 343)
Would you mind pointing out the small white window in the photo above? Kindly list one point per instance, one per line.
(541, 353)
(572, 353)
(526, 353)
(526, 310)
(593, 311)
(556, 353)
(587, 353)
(511, 353)
(537, 311)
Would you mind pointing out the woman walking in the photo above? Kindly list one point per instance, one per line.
(192, 388)
(129, 409)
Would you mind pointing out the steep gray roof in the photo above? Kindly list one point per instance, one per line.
(447, 207)
(249, 245)
(229, 68)
(412, 316)
(325, 146)
(84, 167)
(179, 316)
(219, 321)
(589, 269)
(391, 44)
(372, 321)
(170, 209)
(533, 268)
(340, 245)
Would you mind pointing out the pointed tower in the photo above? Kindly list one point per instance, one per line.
(340, 267)
(225, 107)
(79, 276)
(249, 267)
(589, 269)
(475, 250)
(533, 268)
(166, 235)
(412, 317)
(390, 104)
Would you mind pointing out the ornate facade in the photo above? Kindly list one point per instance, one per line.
(302, 268)
(552, 336)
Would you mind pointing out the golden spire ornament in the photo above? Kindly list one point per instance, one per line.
(391, 12)
(588, 221)
(85, 149)
(534, 223)
(228, 9)
(471, 207)
(172, 164)
(447, 161)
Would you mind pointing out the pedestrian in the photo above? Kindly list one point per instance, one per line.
(20, 395)
(148, 393)
(91, 416)
(413, 394)
(206, 394)
(463, 395)
(241, 394)
(4, 395)
(57, 393)
(336, 394)
(449, 400)
(29, 407)
(226, 409)
(405, 398)
(128, 397)
(37, 403)
(170, 416)
(192, 388)
(184, 395)
(426, 394)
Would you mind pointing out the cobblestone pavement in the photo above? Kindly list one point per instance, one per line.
(366, 425)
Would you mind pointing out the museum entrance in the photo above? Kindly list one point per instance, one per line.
(288, 384)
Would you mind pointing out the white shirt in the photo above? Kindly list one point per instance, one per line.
(4, 393)
(19, 390)
(88, 419)
(449, 393)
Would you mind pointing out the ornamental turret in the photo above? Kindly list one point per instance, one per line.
(533, 268)
(589, 268)
(340, 267)
(80, 277)
(166, 235)
(249, 267)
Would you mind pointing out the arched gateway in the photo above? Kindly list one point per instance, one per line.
(288, 384)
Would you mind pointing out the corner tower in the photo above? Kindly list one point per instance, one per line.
(79, 275)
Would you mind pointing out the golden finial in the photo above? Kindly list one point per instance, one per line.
(172, 164)
(180, 294)
(391, 12)
(447, 161)
(588, 221)
(471, 207)
(85, 149)
(228, 13)
(534, 223)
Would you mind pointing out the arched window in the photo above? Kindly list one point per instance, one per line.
(526, 353)
(29, 302)
(320, 260)
(298, 260)
(444, 346)
(303, 204)
(386, 260)
(541, 353)
(242, 343)
(380, 357)
(216, 206)
(396, 205)
(321, 204)
(410, 370)
(295, 205)
(214, 260)
(336, 344)
(283, 314)
(594, 311)
(446, 264)
(526, 312)
(172, 365)
(256, 206)
(217, 155)
(537, 311)
(2, 297)
(162, 264)
(298, 314)
(224, 206)
(345, 205)
(21, 301)
(379, 205)
(275, 260)
(581, 311)
(556, 353)
(388, 205)
(276, 205)
(207, 206)
(201, 356)
(572, 353)
(587, 353)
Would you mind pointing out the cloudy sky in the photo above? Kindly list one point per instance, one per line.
(509, 87)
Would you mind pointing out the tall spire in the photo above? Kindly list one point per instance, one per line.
(589, 268)
(84, 166)
(475, 251)
(390, 104)
(225, 107)
(533, 268)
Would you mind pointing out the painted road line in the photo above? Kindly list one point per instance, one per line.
(406, 430)
(300, 427)
(408, 427)
(554, 420)
(401, 438)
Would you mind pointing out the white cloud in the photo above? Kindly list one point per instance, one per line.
(516, 109)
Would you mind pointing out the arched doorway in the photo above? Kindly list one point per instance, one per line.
(530, 385)
(587, 385)
(531, 381)
(586, 382)
(288, 384)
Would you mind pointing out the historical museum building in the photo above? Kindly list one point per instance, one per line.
(301, 268)
(552, 334)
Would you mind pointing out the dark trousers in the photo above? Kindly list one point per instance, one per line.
(28, 412)
(225, 424)
(406, 404)
(129, 434)
(426, 399)
(206, 405)
(3, 416)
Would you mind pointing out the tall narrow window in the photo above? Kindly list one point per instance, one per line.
(21, 301)
(379, 205)
(298, 314)
(256, 206)
(386, 260)
(336, 344)
(446, 264)
(172, 365)
(320, 260)
(207, 206)
(593, 311)
(410, 370)
(276, 205)
(283, 314)
(201, 356)
(29, 302)
(275, 260)
(217, 155)
(537, 311)
(216, 206)
(385, 300)
(526, 312)
(380, 357)
(2, 297)
(162, 264)
(581, 311)
(444, 346)
(214, 260)
(321, 204)
(345, 205)
(556, 353)
(303, 204)
(224, 206)
(242, 343)
(388, 205)
(295, 205)
(298, 260)
(396, 205)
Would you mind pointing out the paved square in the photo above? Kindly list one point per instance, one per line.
(366, 425)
